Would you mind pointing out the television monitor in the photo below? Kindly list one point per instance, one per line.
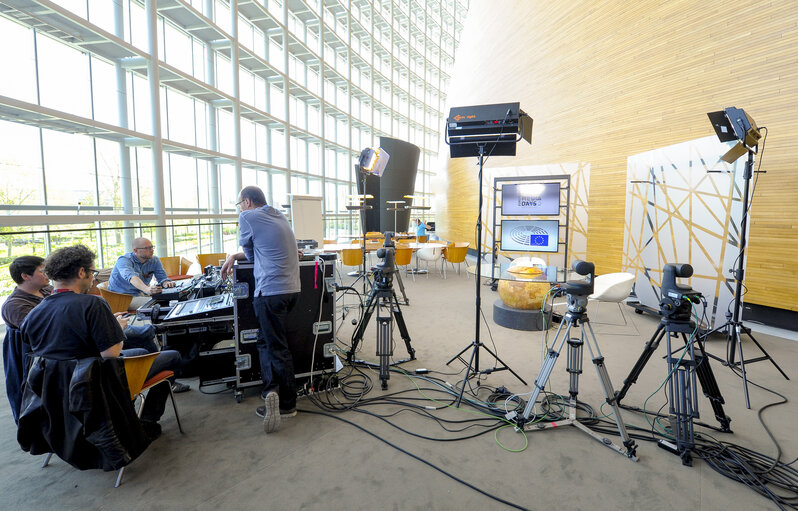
(531, 199)
(530, 235)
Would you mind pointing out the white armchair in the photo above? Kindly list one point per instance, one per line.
(612, 287)
(431, 254)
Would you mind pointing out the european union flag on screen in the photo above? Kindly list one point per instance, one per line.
(539, 240)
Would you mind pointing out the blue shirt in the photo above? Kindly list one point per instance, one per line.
(129, 266)
(421, 230)
(269, 242)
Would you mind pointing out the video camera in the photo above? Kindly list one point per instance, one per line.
(677, 298)
(383, 274)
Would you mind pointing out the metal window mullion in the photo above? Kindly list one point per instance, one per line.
(214, 190)
(234, 53)
(122, 113)
(286, 100)
(153, 75)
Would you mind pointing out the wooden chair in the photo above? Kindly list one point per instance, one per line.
(136, 369)
(119, 302)
(210, 259)
(176, 267)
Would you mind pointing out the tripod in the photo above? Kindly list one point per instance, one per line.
(681, 381)
(383, 298)
(475, 346)
(734, 326)
(577, 317)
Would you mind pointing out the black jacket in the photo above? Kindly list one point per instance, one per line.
(81, 411)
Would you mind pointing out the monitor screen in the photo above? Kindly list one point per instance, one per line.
(530, 235)
(531, 199)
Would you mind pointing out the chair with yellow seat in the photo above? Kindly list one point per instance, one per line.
(210, 259)
(422, 239)
(456, 254)
(402, 257)
(119, 302)
(176, 267)
(352, 257)
(136, 370)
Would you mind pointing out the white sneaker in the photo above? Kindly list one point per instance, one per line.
(271, 417)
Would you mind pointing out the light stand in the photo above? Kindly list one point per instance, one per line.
(469, 130)
(734, 124)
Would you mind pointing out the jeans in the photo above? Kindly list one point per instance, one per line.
(155, 404)
(276, 362)
(141, 336)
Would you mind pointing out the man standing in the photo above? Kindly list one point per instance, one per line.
(421, 228)
(32, 287)
(133, 272)
(269, 242)
(70, 324)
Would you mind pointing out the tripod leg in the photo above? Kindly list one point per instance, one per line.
(500, 361)
(747, 331)
(384, 341)
(548, 365)
(738, 339)
(609, 392)
(361, 328)
(459, 355)
(574, 365)
(710, 386)
(402, 286)
(648, 350)
(400, 321)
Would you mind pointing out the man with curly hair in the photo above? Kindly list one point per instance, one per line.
(71, 324)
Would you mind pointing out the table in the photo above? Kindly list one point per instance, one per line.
(396, 209)
(550, 274)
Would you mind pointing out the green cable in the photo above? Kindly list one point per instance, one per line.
(684, 352)
(475, 412)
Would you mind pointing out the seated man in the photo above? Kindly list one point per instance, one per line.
(133, 272)
(32, 287)
(70, 324)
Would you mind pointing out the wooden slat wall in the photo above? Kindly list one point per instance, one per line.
(606, 80)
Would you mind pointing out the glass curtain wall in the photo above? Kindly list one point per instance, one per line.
(120, 117)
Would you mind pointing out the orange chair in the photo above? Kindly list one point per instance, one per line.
(210, 259)
(176, 267)
(119, 302)
(422, 239)
(352, 257)
(402, 257)
(136, 369)
(456, 253)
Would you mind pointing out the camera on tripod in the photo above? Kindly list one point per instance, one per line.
(383, 272)
(677, 299)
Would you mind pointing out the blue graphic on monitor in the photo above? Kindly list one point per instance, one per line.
(539, 240)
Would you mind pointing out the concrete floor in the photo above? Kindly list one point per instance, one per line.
(225, 461)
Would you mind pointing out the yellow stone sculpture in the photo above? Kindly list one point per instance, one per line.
(523, 295)
(520, 294)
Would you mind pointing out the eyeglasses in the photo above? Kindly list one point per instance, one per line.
(239, 202)
(145, 248)
(94, 273)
